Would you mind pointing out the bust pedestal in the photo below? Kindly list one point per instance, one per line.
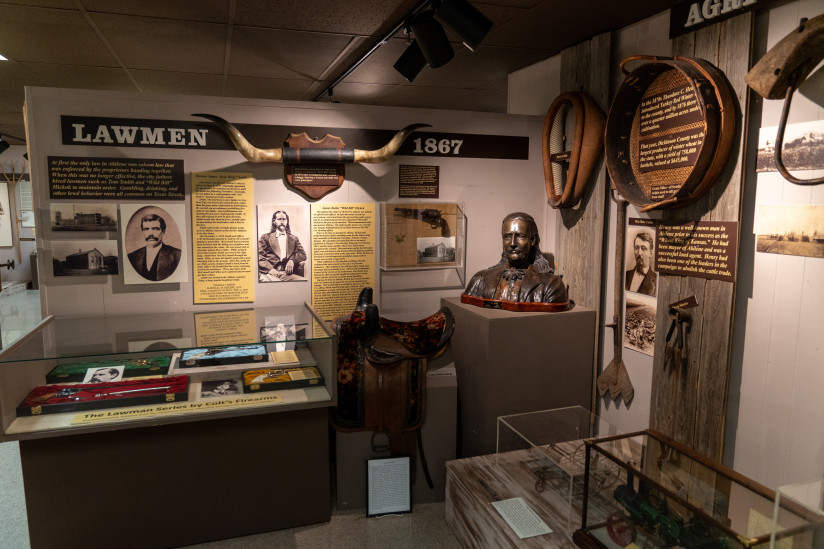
(514, 362)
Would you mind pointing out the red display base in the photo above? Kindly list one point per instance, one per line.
(516, 305)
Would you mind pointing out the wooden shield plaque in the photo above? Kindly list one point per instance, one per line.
(314, 180)
(669, 131)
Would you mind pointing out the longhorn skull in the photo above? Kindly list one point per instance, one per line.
(322, 155)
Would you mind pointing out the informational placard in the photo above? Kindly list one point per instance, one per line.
(343, 248)
(418, 181)
(706, 249)
(116, 178)
(670, 109)
(521, 518)
(314, 175)
(26, 200)
(225, 328)
(223, 237)
(389, 487)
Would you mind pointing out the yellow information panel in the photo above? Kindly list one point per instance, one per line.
(223, 237)
(226, 328)
(343, 262)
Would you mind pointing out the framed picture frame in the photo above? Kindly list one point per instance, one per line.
(388, 486)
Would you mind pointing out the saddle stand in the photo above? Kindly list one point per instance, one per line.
(382, 375)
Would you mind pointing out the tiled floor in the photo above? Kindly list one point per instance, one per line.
(425, 527)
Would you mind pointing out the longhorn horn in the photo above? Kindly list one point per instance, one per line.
(385, 152)
(253, 154)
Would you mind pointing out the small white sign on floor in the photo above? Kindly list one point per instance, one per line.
(523, 520)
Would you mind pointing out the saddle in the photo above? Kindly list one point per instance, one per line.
(382, 374)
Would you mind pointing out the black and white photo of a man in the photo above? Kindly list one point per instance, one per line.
(281, 255)
(641, 278)
(154, 242)
(104, 375)
(156, 260)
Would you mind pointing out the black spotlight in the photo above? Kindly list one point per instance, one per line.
(411, 63)
(467, 22)
(4, 146)
(431, 39)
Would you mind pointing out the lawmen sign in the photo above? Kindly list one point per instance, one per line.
(690, 16)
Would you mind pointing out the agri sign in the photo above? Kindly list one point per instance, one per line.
(710, 9)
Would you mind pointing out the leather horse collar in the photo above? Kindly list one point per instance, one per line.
(584, 150)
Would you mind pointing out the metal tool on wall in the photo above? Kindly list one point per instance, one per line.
(615, 377)
(676, 354)
(781, 71)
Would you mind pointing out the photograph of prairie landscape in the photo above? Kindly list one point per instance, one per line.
(790, 229)
(803, 147)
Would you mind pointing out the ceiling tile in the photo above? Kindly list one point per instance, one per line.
(359, 93)
(60, 4)
(67, 76)
(12, 100)
(440, 98)
(13, 76)
(266, 88)
(50, 36)
(378, 68)
(176, 82)
(283, 54)
(165, 44)
(216, 11)
(553, 25)
(323, 15)
(470, 69)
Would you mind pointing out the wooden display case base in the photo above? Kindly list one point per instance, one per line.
(470, 485)
(180, 484)
(582, 539)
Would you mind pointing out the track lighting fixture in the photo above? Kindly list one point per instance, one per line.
(467, 22)
(411, 63)
(431, 38)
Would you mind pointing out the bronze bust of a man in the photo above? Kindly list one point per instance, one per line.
(523, 275)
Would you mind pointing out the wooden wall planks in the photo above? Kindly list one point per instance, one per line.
(690, 405)
(579, 232)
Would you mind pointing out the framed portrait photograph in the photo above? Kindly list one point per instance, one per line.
(154, 243)
(639, 257)
(283, 242)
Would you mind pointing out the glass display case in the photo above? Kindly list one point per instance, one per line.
(426, 240)
(667, 495)
(147, 352)
(798, 516)
(545, 450)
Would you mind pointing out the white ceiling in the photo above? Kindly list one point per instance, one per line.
(279, 49)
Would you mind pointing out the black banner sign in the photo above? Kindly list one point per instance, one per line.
(692, 15)
(115, 178)
(195, 134)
